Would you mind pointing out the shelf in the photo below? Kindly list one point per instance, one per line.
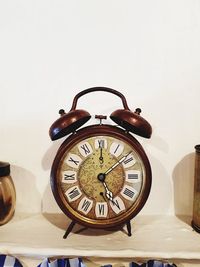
(40, 236)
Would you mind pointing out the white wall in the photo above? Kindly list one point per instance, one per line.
(148, 50)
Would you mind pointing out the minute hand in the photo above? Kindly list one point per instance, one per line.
(117, 163)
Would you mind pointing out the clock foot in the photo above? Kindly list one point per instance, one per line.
(69, 229)
(128, 225)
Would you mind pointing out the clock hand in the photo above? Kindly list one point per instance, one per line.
(101, 156)
(101, 178)
(113, 202)
(109, 194)
(101, 152)
(117, 163)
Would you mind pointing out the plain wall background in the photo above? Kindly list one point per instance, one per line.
(148, 50)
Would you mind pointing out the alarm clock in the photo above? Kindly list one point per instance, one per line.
(101, 175)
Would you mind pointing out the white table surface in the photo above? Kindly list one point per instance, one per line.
(31, 238)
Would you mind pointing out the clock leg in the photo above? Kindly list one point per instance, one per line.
(128, 225)
(69, 229)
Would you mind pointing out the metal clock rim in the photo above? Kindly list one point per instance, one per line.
(73, 139)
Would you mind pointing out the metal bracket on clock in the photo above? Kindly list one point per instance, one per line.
(69, 229)
(72, 224)
(128, 225)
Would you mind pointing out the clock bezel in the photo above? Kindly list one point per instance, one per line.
(72, 140)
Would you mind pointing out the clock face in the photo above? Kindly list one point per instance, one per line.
(101, 178)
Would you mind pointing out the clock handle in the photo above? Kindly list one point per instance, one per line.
(75, 118)
(95, 89)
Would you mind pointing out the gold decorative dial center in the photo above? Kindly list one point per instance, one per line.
(90, 170)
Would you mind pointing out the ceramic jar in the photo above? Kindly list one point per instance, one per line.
(7, 194)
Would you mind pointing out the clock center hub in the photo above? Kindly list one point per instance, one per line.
(101, 177)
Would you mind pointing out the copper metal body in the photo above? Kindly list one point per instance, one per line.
(104, 130)
(132, 122)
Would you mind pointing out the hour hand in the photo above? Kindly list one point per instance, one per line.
(109, 194)
(110, 198)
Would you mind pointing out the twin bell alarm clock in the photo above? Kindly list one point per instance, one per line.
(101, 176)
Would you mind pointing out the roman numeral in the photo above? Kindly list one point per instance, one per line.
(76, 162)
(85, 205)
(101, 143)
(73, 160)
(73, 193)
(116, 149)
(128, 160)
(132, 176)
(117, 205)
(85, 149)
(128, 193)
(101, 209)
(69, 177)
